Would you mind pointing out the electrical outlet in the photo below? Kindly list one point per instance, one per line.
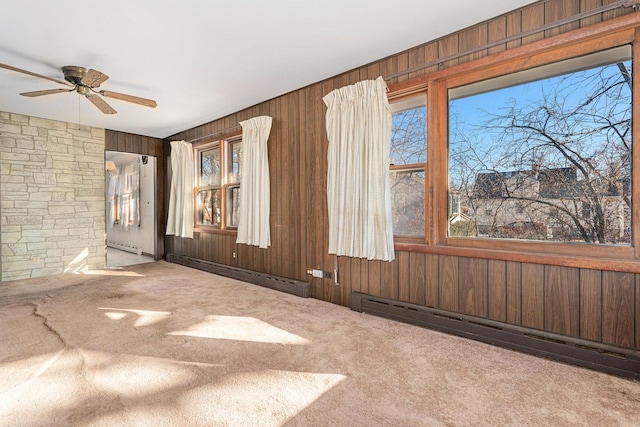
(234, 255)
(309, 271)
(327, 275)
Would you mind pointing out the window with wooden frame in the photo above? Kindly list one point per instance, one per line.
(217, 192)
(233, 181)
(531, 152)
(408, 158)
(528, 152)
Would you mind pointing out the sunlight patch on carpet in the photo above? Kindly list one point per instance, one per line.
(240, 328)
(20, 376)
(145, 317)
(31, 388)
(135, 377)
(269, 397)
(120, 273)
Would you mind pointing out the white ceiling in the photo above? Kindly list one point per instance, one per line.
(203, 59)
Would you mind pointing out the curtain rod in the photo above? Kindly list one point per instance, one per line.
(220, 132)
(622, 3)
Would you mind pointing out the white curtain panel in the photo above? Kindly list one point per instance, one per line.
(128, 194)
(112, 192)
(255, 197)
(358, 190)
(180, 222)
(124, 195)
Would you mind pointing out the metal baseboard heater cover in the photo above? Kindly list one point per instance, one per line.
(589, 354)
(283, 284)
(124, 247)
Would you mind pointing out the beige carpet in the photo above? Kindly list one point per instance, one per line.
(164, 345)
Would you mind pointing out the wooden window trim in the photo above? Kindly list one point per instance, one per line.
(397, 97)
(228, 184)
(199, 149)
(408, 167)
(223, 142)
(615, 32)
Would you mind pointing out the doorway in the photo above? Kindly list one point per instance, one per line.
(130, 211)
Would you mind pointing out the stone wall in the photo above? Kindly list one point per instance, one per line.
(51, 197)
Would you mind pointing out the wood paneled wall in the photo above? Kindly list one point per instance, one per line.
(138, 144)
(590, 304)
(597, 305)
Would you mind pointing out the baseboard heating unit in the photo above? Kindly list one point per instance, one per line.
(124, 247)
(283, 284)
(594, 355)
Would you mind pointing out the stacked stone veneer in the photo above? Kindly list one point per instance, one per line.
(51, 197)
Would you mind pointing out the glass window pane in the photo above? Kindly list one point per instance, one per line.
(235, 160)
(208, 207)
(234, 203)
(210, 167)
(409, 132)
(407, 202)
(547, 157)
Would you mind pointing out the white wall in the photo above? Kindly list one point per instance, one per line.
(143, 236)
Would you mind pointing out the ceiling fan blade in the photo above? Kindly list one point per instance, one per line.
(94, 78)
(45, 92)
(101, 104)
(129, 98)
(19, 70)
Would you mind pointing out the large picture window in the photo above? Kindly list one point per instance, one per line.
(217, 193)
(544, 154)
(408, 158)
(527, 155)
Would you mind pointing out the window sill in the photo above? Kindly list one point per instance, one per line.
(623, 263)
(215, 230)
(409, 240)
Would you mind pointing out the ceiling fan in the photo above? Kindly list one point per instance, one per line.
(84, 82)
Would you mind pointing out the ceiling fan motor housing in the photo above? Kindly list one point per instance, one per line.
(74, 74)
